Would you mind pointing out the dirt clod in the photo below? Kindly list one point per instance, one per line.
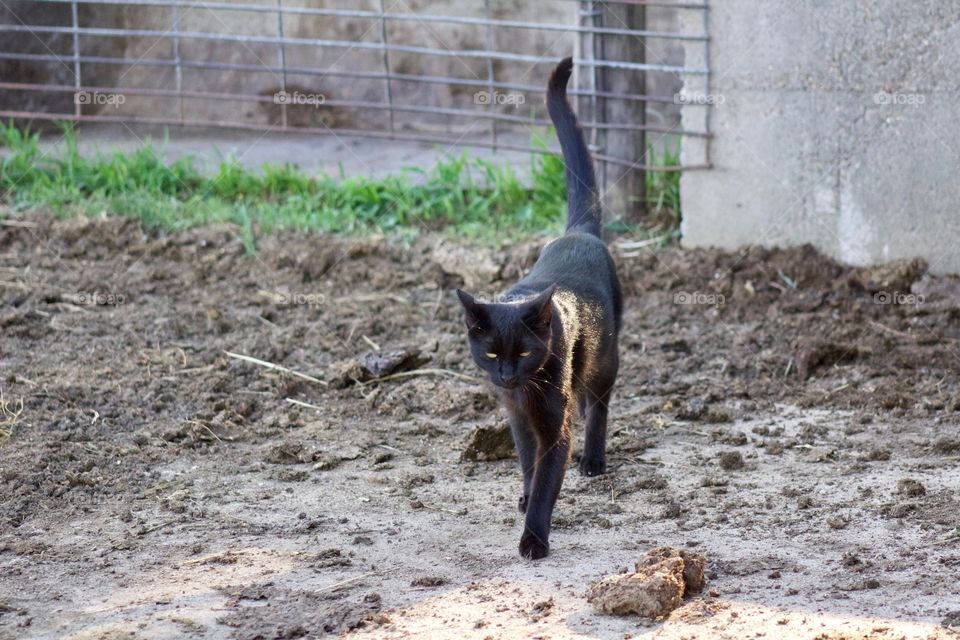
(946, 445)
(489, 443)
(731, 460)
(892, 277)
(816, 354)
(428, 581)
(287, 453)
(910, 488)
(657, 587)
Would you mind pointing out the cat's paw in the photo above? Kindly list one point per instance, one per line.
(593, 466)
(533, 547)
(522, 504)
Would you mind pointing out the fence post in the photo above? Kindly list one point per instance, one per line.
(623, 188)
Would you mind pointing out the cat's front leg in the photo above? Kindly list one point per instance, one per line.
(551, 463)
(526, 445)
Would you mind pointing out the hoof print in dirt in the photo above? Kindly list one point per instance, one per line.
(661, 580)
(489, 443)
(376, 365)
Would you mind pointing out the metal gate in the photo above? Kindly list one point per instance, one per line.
(454, 72)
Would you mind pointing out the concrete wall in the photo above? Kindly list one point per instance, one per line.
(836, 123)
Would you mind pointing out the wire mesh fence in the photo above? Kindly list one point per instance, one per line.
(451, 72)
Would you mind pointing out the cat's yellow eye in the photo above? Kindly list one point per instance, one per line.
(524, 354)
(492, 356)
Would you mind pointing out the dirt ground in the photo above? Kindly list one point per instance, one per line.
(792, 419)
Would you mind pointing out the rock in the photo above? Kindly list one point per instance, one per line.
(489, 443)
(657, 587)
(375, 365)
(385, 363)
(896, 276)
(694, 566)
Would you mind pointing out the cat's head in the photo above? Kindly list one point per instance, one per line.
(511, 341)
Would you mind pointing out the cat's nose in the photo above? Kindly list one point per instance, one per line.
(509, 381)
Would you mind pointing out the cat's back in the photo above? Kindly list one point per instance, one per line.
(573, 255)
(578, 262)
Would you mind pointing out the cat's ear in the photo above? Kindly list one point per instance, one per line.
(474, 311)
(542, 308)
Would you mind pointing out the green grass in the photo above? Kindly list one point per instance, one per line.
(466, 196)
(663, 187)
(661, 217)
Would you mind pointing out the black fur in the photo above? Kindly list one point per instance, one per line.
(583, 200)
(550, 347)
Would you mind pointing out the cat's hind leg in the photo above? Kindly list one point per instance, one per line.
(593, 461)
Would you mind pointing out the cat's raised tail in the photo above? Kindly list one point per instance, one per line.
(583, 200)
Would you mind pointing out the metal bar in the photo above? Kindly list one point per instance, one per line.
(386, 62)
(379, 106)
(214, 66)
(658, 3)
(357, 133)
(76, 57)
(408, 17)
(447, 53)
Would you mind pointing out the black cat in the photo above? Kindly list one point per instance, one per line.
(551, 344)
